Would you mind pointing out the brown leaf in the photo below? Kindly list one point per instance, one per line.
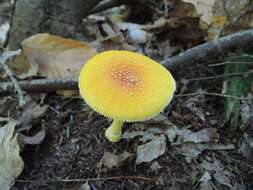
(204, 9)
(220, 17)
(57, 57)
(22, 68)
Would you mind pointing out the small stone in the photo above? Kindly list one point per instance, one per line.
(155, 166)
(213, 122)
(208, 113)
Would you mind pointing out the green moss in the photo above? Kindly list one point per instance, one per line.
(236, 86)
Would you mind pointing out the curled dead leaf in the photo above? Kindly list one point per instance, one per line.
(56, 57)
(32, 140)
(151, 150)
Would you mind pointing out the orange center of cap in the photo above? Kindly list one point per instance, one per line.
(126, 77)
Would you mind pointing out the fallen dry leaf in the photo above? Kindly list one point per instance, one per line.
(154, 139)
(22, 68)
(32, 140)
(193, 150)
(204, 135)
(220, 173)
(246, 145)
(160, 118)
(111, 160)
(185, 135)
(154, 143)
(205, 182)
(116, 42)
(30, 111)
(190, 151)
(57, 57)
(220, 17)
(204, 9)
(11, 164)
(151, 150)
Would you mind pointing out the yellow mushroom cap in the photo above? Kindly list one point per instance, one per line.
(126, 86)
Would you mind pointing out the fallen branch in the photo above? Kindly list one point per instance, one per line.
(210, 49)
(40, 85)
(196, 54)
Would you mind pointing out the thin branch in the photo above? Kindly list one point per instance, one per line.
(40, 85)
(91, 4)
(210, 49)
(88, 179)
(14, 82)
(103, 6)
(213, 94)
(166, 7)
(243, 74)
(230, 62)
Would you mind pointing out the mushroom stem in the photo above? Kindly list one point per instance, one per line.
(113, 133)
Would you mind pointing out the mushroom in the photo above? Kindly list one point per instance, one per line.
(126, 87)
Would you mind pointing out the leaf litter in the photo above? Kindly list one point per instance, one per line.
(11, 164)
(190, 144)
(219, 172)
(84, 145)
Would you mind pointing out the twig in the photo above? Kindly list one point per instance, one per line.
(105, 6)
(3, 58)
(230, 62)
(166, 7)
(212, 94)
(88, 179)
(205, 51)
(243, 74)
(40, 85)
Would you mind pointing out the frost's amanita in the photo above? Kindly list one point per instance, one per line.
(126, 87)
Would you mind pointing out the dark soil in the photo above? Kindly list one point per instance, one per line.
(75, 144)
(77, 156)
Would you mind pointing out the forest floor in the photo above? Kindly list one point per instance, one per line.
(74, 148)
(188, 146)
